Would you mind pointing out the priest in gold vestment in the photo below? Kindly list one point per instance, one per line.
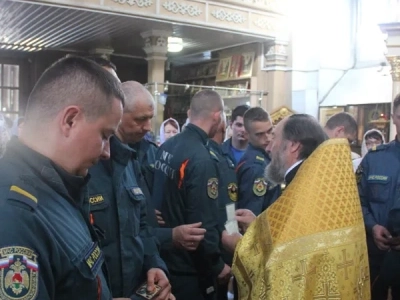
(310, 243)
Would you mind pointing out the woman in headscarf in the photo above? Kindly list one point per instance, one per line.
(372, 138)
(168, 129)
(4, 135)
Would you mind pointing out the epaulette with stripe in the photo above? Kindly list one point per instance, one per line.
(379, 147)
(23, 192)
(213, 155)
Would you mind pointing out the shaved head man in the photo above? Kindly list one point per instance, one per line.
(73, 110)
(138, 112)
(186, 190)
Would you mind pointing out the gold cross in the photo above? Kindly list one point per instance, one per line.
(345, 264)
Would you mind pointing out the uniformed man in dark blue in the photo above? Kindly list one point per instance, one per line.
(136, 122)
(48, 249)
(186, 177)
(255, 193)
(118, 210)
(378, 181)
(236, 145)
(228, 192)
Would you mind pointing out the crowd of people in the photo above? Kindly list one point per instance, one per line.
(92, 208)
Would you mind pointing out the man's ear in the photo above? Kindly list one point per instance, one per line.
(68, 119)
(294, 146)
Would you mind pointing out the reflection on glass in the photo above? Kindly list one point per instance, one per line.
(10, 76)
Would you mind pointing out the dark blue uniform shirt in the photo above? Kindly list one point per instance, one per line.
(254, 191)
(379, 184)
(186, 184)
(48, 249)
(118, 207)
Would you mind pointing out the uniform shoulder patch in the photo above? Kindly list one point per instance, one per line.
(260, 187)
(19, 273)
(23, 193)
(212, 188)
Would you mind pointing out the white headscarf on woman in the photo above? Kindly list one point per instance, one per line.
(364, 149)
(4, 135)
(162, 133)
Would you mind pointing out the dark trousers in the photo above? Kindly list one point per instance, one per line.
(186, 287)
(384, 273)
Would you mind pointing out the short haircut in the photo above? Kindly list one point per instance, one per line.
(239, 111)
(73, 81)
(306, 130)
(374, 135)
(255, 114)
(396, 102)
(342, 119)
(135, 92)
(172, 123)
(205, 102)
(102, 62)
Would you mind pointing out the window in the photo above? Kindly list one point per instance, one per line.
(9, 90)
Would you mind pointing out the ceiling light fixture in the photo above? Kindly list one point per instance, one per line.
(175, 44)
(19, 47)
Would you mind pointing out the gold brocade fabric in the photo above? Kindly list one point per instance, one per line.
(310, 244)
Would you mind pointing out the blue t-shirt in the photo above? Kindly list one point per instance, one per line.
(237, 154)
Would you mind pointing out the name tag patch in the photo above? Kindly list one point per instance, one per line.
(97, 199)
(137, 191)
(378, 177)
(19, 273)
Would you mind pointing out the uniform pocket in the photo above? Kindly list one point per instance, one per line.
(379, 186)
(136, 197)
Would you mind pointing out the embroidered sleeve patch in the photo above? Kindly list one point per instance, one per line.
(259, 187)
(233, 191)
(19, 273)
(212, 188)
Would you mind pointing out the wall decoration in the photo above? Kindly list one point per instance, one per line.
(227, 16)
(224, 68)
(236, 64)
(139, 3)
(246, 68)
(182, 8)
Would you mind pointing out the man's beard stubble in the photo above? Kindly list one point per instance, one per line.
(275, 171)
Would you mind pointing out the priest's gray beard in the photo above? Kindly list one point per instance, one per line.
(275, 171)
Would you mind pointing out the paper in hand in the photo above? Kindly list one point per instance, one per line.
(231, 225)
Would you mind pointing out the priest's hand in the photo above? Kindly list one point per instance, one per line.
(381, 237)
(188, 236)
(244, 217)
(229, 241)
(157, 276)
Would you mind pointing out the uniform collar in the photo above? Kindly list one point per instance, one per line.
(250, 146)
(55, 176)
(121, 152)
(199, 132)
(215, 146)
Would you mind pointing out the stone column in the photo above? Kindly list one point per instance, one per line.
(156, 48)
(278, 87)
(393, 56)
